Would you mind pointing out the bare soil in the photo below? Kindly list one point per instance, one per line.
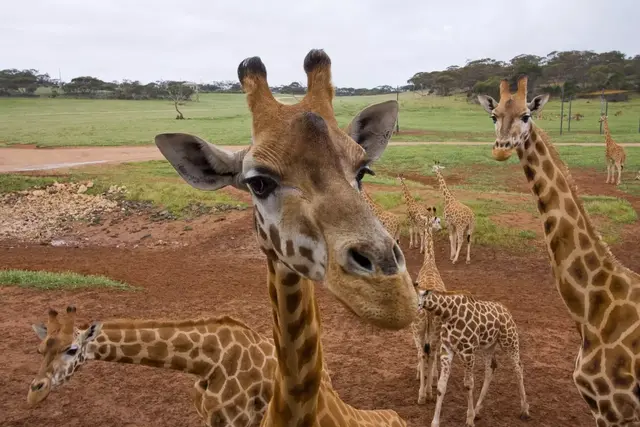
(215, 268)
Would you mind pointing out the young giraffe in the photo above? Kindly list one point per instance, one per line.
(426, 327)
(304, 173)
(414, 211)
(458, 217)
(601, 294)
(614, 154)
(388, 219)
(468, 326)
(234, 364)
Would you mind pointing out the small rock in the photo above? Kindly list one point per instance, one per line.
(82, 189)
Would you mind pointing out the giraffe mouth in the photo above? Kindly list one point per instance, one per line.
(501, 153)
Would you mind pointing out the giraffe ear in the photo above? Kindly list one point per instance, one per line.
(92, 332)
(40, 330)
(538, 102)
(372, 128)
(488, 103)
(200, 163)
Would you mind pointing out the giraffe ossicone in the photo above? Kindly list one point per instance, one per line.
(600, 293)
(304, 173)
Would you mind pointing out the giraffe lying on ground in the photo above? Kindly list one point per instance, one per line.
(390, 220)
(459, 219)
(303, 174)
(414, 211)
(234, 364)
(615, 155)
(468, 326)
(600, 293)
(426, 327)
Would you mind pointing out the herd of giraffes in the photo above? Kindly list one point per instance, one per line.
(317, 226)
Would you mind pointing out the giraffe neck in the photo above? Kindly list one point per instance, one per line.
(448, 197)
(607, 134)
(296, 334)
(579, 257)
(429, 255)
(194, 346)
(372, 204)
(442, 305)
(408, 198)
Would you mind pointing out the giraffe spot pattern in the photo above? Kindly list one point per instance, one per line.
(598, 303)
(620, 320)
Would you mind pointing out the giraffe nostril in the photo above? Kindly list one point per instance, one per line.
(361, 260)
(37, 386)
(507, 145)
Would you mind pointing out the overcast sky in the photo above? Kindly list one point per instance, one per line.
(370, 42)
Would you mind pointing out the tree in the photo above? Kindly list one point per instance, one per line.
(177, 92)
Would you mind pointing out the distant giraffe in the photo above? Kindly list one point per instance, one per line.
(459, 219)
(614, 154)
(470, 326)
(414, 211)
(388, 219)
(426, 327)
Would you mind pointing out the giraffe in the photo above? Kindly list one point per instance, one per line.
(614, 154)
(458, 217)
(468, 326)
(388, 219)
(414, 210)
(303, 173)
(426, 327)
(234, 364)
(601, 295)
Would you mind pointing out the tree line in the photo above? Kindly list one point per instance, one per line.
(24, 83)
(574, 72)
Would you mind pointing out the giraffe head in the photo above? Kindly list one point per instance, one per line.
(431, 221)
(437, 166)
(304, 173)
(603, 118)
(511, 116)
(64, 348)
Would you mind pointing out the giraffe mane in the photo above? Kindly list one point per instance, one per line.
(564, 169)
(167, 323)
(467, 294)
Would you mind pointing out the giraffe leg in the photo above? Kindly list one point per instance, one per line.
(469, 362)
(421, 240)
(445, 361)
(459, 239)
(490, 366)
(410, 235)
(619, 168)
(452, 241)
(514, 355)
(469, 234)
(608, 171)
(434, 340)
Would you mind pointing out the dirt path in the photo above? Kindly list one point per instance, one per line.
(26, 158)
(224, 274)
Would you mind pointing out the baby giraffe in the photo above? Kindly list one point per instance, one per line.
(426, 327)
(468, 326)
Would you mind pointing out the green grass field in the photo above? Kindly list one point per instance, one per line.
(45, 280)
(224, 119)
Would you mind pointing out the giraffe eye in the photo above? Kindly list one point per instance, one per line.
(495, 119)
(261, 186)
(525, 118)
(71, 351)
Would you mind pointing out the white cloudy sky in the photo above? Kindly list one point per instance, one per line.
(371, 42)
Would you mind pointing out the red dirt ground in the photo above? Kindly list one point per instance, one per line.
(221, 271)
